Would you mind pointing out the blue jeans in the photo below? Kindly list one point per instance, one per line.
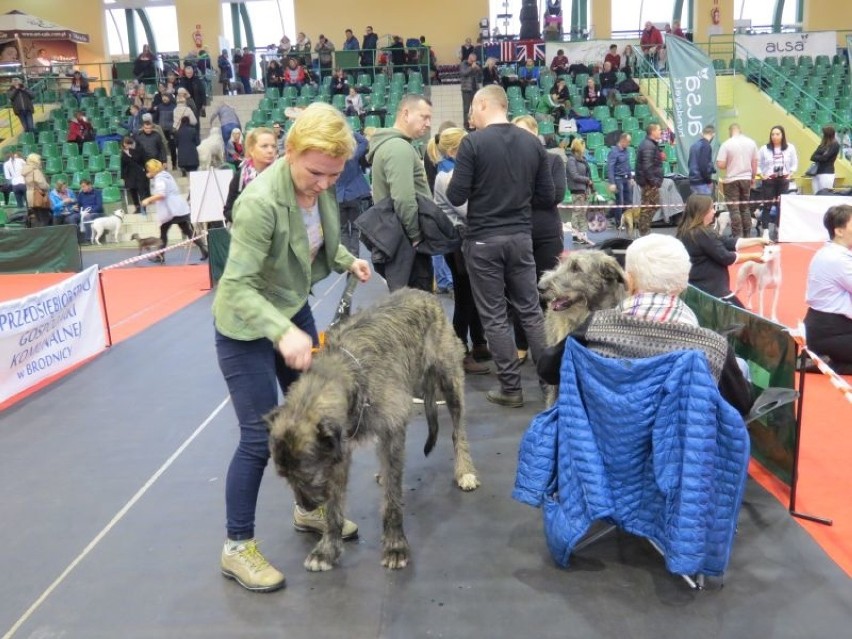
(443, 276)
(26, 118)
(623, 198)
(253, 371)
(702, 189)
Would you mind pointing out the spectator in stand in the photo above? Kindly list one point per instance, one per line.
(62, 205)
(354, 103)
(629, 59)
(79, 86)
(279, 135)
(144, 69)
(676, 30)
(608, 79)
(21, 100)
(529, 74)
(226, 72)
(828, 322)
(592, 95)
(471, 79)
(244, 69)
(627, 92)
(90, 203)
(777, 162)
(339, 83)
(613, 58)
(294, 74)
(651, 43)
(196, 89)
(649, 176)
(35, 180)
(261, 152)
(80, 130)
(228, 119)
(396, 50)
(12, 169)
(825, 156)
(183, 110)
(284, 46)
(324, 49)
(467, 49)
(133, 173)
(351, 42)
(700, 162)
(186, 142)
(561, 98)
(369, 44)
(620, 176)
(151, 143)
(303, 48)
(559, 64)
(234, 151)
(490, 72)
(274, 75)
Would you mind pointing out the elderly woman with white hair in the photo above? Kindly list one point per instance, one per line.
(653, 320)
(235, 149)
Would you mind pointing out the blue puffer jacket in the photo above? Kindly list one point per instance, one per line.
(664, 458)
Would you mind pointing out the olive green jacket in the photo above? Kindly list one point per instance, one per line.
(269, 273)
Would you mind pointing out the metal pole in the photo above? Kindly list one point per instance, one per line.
(104, 306)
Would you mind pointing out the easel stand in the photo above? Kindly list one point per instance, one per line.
(794, 475)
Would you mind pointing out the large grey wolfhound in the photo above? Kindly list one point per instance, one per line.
(359, 388)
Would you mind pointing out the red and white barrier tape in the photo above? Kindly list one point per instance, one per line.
(836, 380)
(148, 256)
(612, 204)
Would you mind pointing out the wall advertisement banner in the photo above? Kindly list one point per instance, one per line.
(795, 44)
(588, 52)
(693, 87)
(47, 332)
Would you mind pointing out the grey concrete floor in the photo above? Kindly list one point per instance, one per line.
(112, 493)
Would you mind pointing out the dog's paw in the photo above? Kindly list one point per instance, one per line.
(318, 563)
(379, 479)
(468, 482)
(395, 559)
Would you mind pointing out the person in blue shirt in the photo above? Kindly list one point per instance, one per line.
(619, 175)
(353, 195)
(701, 166)
(63, 204)
(529, 74)
(90, 204)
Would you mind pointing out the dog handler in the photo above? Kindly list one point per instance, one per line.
(285, 238)
(710, 254)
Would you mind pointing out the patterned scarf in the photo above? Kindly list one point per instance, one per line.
(658, 307)
(247, 173)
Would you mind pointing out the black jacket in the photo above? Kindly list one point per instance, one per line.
(21, 99)
(186, 141)
(649, 164)
(546, 222)
(701, 167)
(825, 156)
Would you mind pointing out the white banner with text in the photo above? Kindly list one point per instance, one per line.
(47, 332)
(796, 44)
(801, 216)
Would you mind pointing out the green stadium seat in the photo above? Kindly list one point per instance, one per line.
(354, 122)
(594, 140)
(78, 177)
(338, 101)
(53, 165)
(111, 147)
(50, 150)
(90, 148)
(74, 164)
(58, 177)
(103, 179)
(546, 127)
(372, 121)
(111, 194)
(96, 164)
(601, 112)
(601, 155)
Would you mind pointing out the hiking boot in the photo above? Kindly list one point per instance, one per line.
(522, 355)
(481, 353)
(250, 569)
(472, 367)
(314, 521)
(510, 399)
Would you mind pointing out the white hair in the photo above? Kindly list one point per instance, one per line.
(658, 264)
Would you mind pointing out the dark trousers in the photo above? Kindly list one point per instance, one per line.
(20, 191)
(467, 100)
(421, 277)
(466, 320)
(623, 198)
(772, 190)
(502, 272)
(546, 252)
(737, 196)
(253, 371)
(830, 335)
(182, 222)
(349, 234)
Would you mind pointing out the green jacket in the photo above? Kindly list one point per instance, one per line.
(269, 273)
(398, 172)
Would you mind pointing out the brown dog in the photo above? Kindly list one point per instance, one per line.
(148, 245)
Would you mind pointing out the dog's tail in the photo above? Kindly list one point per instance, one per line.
(432, 438)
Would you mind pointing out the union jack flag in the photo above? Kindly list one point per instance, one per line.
(529, 50)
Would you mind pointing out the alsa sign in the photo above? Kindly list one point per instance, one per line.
(778, 44)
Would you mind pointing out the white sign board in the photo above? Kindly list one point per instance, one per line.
(801, 216)
(208, 191)
(781, 44)
(588, 52)
(49, 331)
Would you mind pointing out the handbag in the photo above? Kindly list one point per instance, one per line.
(40, 199)
(812, 170)
(567, 125)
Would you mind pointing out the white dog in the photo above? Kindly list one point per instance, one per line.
(211, 151)
(756, 277)
(109, 225)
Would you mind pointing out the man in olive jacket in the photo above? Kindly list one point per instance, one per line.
(398, 173)
(649, 176)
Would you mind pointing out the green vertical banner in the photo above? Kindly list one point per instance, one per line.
(693, 88)
(849, 54)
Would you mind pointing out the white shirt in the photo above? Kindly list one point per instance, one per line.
(738, 153)
(830, 280)
(768, 160)
(12, 170)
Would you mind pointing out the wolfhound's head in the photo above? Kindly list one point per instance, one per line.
(306, 435)
(589, 279)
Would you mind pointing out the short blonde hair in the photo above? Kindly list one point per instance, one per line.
(578, 146)
(33, 158)
(254, 134)
(527, 122)
(321, 127)
(153, 166)
(657, 263)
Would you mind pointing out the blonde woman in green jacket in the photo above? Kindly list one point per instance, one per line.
(285, 238)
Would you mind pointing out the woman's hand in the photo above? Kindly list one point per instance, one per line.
(295, 346)
(361, 270)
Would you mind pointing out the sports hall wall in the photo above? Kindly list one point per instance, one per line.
(445, 24)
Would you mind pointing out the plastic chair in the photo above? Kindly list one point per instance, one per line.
(601, 112)
(90, 148)
(594, 140)
(74, 164)
(70, 150)
(103, 179)
(45, 137)
(96, 163)
(110, 194)
(354, 122)
(53, 165)
(58, 177)
(50, 150)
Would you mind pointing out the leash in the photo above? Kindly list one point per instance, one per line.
(364, 403)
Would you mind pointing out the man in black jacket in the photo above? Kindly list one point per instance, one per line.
(701, 167)
(502, 172)
(649, 176)
(21, 100)
(368, 50)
